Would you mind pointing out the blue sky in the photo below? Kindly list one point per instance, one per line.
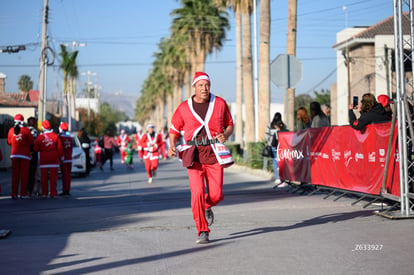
(122, 36)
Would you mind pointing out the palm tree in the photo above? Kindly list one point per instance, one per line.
(25, 83)
(70, 72)
(246, 10)
(264, 77)
(236, 6)
(204, 26)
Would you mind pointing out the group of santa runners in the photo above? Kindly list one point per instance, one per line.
(150, 145)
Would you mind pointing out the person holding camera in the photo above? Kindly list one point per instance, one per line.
(371, 111)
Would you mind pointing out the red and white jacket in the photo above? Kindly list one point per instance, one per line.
(123, 141)
(138, 137)
(20, 143)
(67, 144)
(50, 148)
(150, 145)
(218, 117)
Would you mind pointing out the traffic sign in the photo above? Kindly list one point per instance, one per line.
(286, 71)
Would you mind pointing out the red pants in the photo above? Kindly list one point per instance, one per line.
(201, 175)
(44, 179)
(66, 169)
(163, 150)
(151, 165)
(140, 154)
(20, 174)
(123, 154)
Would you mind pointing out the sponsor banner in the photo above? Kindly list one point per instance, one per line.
(340, 157)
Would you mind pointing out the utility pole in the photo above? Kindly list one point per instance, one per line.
(89, 73)
(291, 49)
(43, 64)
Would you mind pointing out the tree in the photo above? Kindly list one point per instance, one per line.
(108, 117)
(70, 72)
(323, 97)
(303, 100)
(25, 83)
(264, 77)
(204, 24)
(236, 6)
(249, 133)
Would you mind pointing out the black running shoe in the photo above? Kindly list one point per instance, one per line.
(209, 216)
(203, 238)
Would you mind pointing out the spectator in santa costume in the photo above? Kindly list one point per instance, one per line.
(203, 154)
(51, 151)
(122, 141)
(66, 161)
(138, 137)
(21, 140)
(150, 143)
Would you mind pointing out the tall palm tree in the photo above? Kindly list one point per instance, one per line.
(264, 77)
(70, 72)
(246, 10)
(236, 6)
(204, 25)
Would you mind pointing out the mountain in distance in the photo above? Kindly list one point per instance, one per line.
(121, 101)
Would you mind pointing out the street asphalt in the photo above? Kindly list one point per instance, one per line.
(118, 223)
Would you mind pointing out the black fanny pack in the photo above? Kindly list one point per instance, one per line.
(202, 142)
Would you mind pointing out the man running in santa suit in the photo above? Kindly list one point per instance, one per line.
(51, 151)
(150, 143)
(206, 121)
(122, 142)
(66, 162)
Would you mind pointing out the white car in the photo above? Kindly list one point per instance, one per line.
(78, 157)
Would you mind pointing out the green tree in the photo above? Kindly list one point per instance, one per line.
(204, 24)
(108, 117)
(303, 100)
(323, 97)
(25, 83)
(70, 73)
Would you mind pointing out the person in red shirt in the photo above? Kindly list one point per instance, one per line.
(66, 161)
(51, 151)
(204, 154)
(150, 143)
(20, 138)
(109, 143)
(122, 142)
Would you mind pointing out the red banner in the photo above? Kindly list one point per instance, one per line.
(340, 157)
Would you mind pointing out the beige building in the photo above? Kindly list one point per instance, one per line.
(366, 55)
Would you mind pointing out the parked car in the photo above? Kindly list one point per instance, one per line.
(78, 157)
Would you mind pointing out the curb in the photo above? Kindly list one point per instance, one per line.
(256, 172)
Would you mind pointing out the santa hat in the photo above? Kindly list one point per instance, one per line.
(384, 100)
(46, 125)
(63, 126)
(200, 76)
(18, 118)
